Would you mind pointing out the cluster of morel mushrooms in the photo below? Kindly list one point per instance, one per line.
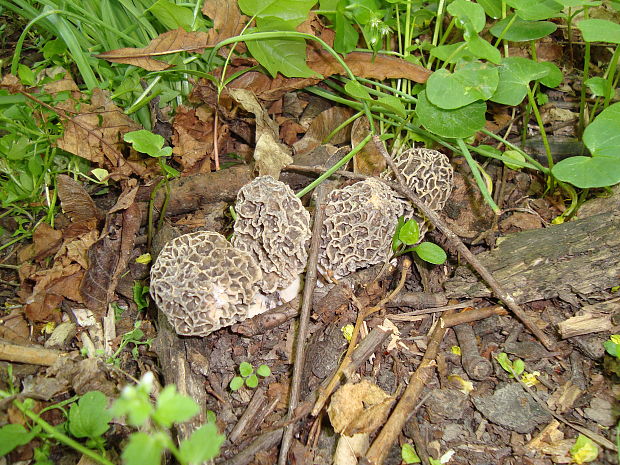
(202, 282)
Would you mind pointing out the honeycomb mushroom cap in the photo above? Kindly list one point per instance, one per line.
(202, 283)
(360, 221)
(273, 226)
(429, 175)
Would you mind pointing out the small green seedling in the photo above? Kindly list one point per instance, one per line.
(612, 345)
(408, 233)
(140, 295)
(134, 337)
(408, 454)
(514, 369)
(584, 450)
(248, 376)
(146, 142)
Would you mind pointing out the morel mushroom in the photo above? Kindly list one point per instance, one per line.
(202, 283)
(429, 175)
(273, 227)
(360, 221)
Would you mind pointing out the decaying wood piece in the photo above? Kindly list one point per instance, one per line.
(32, 355)
(584, 324)
(190, 193)
(173, 355)
(575, 258)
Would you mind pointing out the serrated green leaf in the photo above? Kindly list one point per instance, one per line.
(251, 381)
(203, 445)
(460, 123)
(236, 383)
(599, 30)
(173, 407)
(263, 371)
(12, 436)
(521, 30)
(470, 82)
(144, 449)
(245, 369)
(466, 11)
(409, 233)
(89, 417)
(431, 253)
(515, 75)
(408, 454)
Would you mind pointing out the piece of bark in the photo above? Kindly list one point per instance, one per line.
(190, 193)
(574, 258)
(584, 324)
(32, 355)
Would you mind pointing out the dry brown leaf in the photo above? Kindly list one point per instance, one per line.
(270, 155)
(369, 160)
(176, 41)
(227, 19)
(370, 66)
(192, 140)
(96, 132)
(108, 258)
(75, 201)
(322, 126)
(359, 408)
(43, 308)
(11, 83)
(15, 328)
(45, 242)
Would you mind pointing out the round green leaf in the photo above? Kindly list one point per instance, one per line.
(599, 30)
(245, 369)
(263, 371)
(431, 253)
(518, 366)
(515, 75)
(534, 10)
(466, 11)
(522, 30)
(460, 123)
(145, 141)
(493, 8)
(471, 82)
(251, 381)
(480, 48)
(203, 445)
(554, 77)
(236, 383)
(409, 233)
(588, 172)
(602, 136)
(173, 407)
(513, 155)
(599, 87)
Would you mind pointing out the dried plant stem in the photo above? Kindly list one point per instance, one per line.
(306, 306)
(454, 240)
(361, 316)
(380, 447)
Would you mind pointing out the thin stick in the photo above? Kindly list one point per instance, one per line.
(380, 447)
(454, 240)
(298, 366)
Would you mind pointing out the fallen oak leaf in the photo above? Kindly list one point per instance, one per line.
(175, 41)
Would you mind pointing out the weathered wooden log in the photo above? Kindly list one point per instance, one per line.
(566, 261)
